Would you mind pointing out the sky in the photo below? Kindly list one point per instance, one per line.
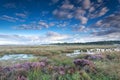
(34, 22)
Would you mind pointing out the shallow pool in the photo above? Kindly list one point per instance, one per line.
(17, 57)
(91, 51)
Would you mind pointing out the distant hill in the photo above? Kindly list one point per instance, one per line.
(91, 43)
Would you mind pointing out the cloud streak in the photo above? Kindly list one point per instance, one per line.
(10, 18)
(34, 25)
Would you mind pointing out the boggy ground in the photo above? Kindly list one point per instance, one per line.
(102, 66)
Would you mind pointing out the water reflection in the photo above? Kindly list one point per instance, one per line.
(17, 57)
(91, 51)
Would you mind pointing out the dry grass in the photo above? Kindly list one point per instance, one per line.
(45, 50)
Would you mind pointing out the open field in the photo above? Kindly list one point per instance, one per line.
(53, 64)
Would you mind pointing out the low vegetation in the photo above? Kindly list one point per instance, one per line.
(57, 66)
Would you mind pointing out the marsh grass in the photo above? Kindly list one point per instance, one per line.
(46, 50)
(107, 68)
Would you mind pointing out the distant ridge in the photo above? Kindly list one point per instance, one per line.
(91, 43)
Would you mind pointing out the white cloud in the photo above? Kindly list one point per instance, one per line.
(51, 24)
(99, 23)
(79, 12)
(108, 25)
(93, 38)
(41, 23)
(49, 37)
(83, 10)
(103, 11)
(6, 42)
(67, 6)
(10, 18)
(53, 36)
(82, 19)
(34, 25)
(22, 15)
(91, 9)
(86, 4)
(62, 14)
(97, 11)
(28, 27)
(79, 28)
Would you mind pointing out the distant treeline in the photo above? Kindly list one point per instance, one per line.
(91, 43)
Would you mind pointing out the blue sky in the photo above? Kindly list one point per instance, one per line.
(53, 21)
